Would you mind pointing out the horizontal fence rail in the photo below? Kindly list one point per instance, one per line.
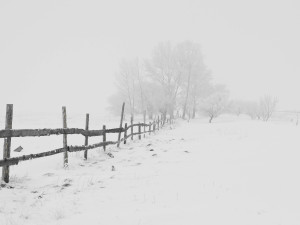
(59, 131)
(16, 160)
(128, 132)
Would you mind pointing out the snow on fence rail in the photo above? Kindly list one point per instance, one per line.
(9, 133)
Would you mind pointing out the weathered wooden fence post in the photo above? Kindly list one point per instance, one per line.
(158, 123)
(7, 141)
(104, 137)
(149, 128)
(86, 141)
(144, 123)
(121, 123)
(154, 126)
(125, 133)
(140, 131)
(131, 128)
(65, 142)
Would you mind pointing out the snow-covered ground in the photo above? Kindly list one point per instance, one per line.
(233, 171)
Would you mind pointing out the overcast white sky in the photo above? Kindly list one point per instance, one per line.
(65, 52)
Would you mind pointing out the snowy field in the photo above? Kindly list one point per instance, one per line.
(234, 171)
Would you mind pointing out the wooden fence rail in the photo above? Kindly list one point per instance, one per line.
(9, 133)
(16, 160)
(59, 131)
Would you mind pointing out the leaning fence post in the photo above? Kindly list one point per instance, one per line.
(65, 143)
(139, 131)
(125, 133)
(121, 122)
(131, 128)
(86, 141)
(7, 141)
(104, 137)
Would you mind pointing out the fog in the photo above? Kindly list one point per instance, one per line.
(55, 53)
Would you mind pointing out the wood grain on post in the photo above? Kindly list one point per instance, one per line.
(140, 131)
(7, 141)
(125, 133)
(65, 142)
(121, 123)
(131, 128)
(86, 141)
(104, 137)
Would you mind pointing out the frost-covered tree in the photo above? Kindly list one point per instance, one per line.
(163, 71)
(267, 106)
(173, 78)
(216, 103)
(190, 65)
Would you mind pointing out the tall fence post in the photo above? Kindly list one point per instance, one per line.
(144, 123)
(86, 141)
(7, 141)
(104, 137)
(121, 123)
(154, 126)
(140, 131)
(131, 128)
(65, 142)
(158, 123)
(125, 133)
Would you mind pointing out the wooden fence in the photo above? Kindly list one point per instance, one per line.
(127, 131)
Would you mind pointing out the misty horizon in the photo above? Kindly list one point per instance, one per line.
(67, 52)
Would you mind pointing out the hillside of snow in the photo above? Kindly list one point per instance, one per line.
(233, 171)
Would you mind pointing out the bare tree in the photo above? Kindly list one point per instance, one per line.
(267, 106)
(251, 108)
(127, 83)
(216, 103)
(162, 70)
(190, 63)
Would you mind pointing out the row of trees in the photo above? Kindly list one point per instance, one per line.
(262, 109)
(173, 80)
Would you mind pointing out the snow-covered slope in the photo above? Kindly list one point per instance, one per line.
(229, 172)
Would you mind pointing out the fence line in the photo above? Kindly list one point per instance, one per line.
(8, 133)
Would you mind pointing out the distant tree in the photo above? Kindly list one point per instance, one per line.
(162, 70)
(216, 103)
(189, 60)
(174, 78)
(200, 89)
(251, 109)
(127, 83)
(267, 106)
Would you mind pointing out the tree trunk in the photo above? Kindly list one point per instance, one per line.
(194, 108)
(187, 94)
